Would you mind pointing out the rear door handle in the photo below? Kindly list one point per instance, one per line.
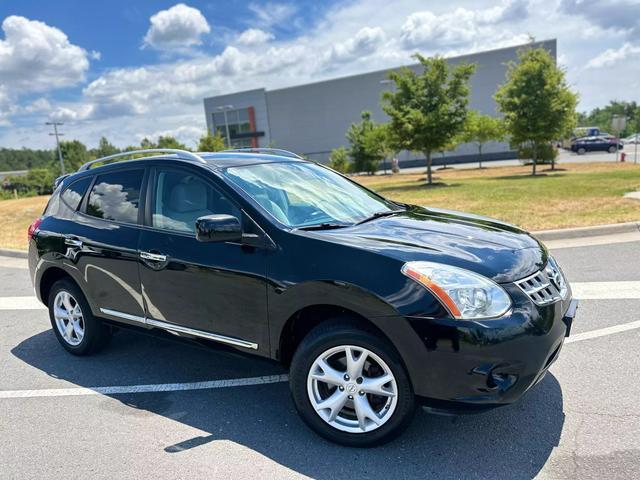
(154, 257)
(73, 242)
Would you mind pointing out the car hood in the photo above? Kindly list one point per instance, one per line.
(489, 247)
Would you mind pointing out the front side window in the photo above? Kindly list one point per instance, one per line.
(72, 196)
(182, 197)
(300, 194)
(116, 196)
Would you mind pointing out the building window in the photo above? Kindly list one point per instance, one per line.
(241, 126)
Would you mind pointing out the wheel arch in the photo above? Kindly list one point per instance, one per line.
(300, 323)
(49, 277)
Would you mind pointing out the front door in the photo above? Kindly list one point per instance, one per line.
(209, 288)
(104, 241)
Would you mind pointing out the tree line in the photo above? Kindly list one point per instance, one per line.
(428, 113)
(44, 165)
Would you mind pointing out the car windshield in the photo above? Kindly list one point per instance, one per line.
(300, 194)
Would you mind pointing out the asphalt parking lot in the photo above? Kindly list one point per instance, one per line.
(137, 410)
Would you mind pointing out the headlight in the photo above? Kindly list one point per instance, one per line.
(466, 295)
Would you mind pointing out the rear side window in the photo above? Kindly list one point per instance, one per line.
(116, 196)
(72, 196)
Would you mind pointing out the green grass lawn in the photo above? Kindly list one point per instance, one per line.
(577, 195)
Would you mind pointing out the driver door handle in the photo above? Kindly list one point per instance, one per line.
(154, 257)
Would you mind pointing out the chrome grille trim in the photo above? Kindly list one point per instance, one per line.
(546, 286)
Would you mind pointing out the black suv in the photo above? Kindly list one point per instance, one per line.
(375, 306)
(601, 143)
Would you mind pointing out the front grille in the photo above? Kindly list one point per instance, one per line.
(546, 286)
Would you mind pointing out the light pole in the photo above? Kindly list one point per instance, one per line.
(224, 109)
(57, 135)
(386, 81)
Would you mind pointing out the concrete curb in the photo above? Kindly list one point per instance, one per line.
(581, 232)
(8, 252)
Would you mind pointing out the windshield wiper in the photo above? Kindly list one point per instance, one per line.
(375, 215)
(323, 226)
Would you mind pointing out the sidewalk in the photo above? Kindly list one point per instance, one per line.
(563, 156)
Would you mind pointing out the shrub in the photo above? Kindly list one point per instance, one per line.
(38, 181)
(339, 160)
(547, 153)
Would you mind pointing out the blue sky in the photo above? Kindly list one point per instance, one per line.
(128, 69)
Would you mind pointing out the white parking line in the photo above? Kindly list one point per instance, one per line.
(20, 303)
(153, 388)
(606, 290)
(601, 332)
(234, 382)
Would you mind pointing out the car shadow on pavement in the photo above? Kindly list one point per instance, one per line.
(512, 442)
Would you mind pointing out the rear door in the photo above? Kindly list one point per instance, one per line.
(208, 288)
(104, 243)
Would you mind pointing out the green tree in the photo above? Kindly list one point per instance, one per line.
(167, 141)
(74, 154)
(211, 143)
(427, 110)
(537, 104)
(601, 117)
(24, 159)
(339, 160)
(367, 140)
(38, 181)
(480, 129)
(146, 144)
(105, 148)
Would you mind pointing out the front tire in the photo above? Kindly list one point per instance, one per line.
(350, 386)
(581, 151)
(612, 149)
(77, 330)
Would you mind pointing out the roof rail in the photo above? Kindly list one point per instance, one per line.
(183, 154)
(267, 151)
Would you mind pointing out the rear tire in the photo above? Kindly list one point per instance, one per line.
(363, 411)
(612, 149)
(581, 151)
(75, 327)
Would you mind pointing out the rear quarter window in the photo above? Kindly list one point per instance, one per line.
(116, 196)
(73, 194)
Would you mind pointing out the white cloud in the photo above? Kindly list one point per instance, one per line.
(613, 14)
(186, 134)
(613, 56)
(349, 37)
(507, 11)
(37, 106)
(460, 26)
(35, 57)
(364, 43)
(254, 36)
(269, 14)
(178, 27)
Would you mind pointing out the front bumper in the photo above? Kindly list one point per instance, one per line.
(474, 366)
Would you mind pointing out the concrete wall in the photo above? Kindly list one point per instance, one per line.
(312, 119)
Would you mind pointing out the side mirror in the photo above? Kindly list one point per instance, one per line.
(218, 228)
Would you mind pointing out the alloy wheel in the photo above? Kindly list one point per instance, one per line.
(68, 316)
(352, 389)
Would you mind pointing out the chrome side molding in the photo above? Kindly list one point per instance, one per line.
(126, 316)
(170, 327)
